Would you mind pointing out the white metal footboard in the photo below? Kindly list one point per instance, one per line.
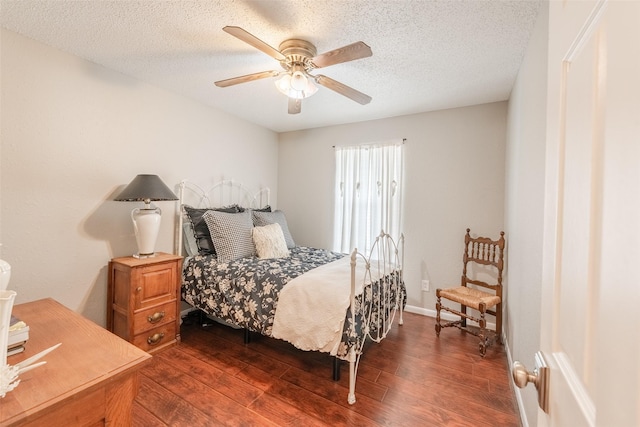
(383, 274)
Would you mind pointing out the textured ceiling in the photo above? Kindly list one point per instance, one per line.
(427, 55)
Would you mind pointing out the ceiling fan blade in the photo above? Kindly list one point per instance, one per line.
(295, 105)
(255, 42)
(348, 53)
(248, 78)
(343, 89)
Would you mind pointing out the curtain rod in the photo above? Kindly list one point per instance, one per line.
(368, 143)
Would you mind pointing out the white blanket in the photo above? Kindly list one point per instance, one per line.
(312, 308)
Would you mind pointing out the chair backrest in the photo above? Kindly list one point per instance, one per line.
(484, 252)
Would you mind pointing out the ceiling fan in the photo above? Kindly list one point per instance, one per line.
(299, 58)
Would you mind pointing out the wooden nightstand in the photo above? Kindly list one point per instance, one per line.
(143, 301)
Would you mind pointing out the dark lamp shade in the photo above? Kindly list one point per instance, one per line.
(146, 187)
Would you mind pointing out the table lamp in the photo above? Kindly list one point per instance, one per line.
(146, 221)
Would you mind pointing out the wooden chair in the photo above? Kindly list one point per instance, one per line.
(481, 254)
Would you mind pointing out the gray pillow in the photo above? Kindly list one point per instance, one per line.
(267, 208)
(231, 234)
(189, 243)
(260, 219)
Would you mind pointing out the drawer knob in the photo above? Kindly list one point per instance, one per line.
(139, 289)
(155, 338)
(156, 317)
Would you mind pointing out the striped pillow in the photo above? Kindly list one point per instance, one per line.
(231, 234)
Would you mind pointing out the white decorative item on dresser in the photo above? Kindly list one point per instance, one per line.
(7, 379)
(6, 305)
(5, 274)
(8, 373)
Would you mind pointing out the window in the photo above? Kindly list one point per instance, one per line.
(368, 194)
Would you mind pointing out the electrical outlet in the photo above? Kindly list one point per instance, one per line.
(425, 285)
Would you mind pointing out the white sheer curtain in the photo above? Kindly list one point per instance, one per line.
(368, 194)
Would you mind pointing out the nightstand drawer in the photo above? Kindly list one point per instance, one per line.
(156, 338)
(150, 318)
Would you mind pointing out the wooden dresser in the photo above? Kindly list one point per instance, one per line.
(143, 301)
(91, 379)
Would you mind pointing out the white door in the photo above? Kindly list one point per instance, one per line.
(590, 334)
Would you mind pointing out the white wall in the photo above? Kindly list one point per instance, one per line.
(454, 178)
(73, 134)
(524, 207)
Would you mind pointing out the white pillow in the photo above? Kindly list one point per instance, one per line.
(231, 234)
(265, 218)
(269, 241)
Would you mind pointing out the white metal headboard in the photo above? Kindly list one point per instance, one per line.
(223, 193)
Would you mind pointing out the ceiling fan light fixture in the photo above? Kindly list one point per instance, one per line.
(298, 81)
(284, 83)
(291, 85)
(310, 89)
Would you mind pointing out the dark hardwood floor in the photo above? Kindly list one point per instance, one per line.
(412, 378)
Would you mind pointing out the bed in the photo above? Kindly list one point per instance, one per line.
(243, 268)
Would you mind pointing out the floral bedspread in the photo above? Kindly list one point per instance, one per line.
(245, 292)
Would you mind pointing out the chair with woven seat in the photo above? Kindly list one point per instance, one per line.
(482, 257)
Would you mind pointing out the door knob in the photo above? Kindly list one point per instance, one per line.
(539, 377)
(522, 377)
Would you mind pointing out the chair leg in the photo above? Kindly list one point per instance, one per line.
(438, 306)
(463, 319)
(483, 332)
(499, 323)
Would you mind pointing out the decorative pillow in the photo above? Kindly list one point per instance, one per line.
(231, 234)
(265, 209)
(189, 238)
(260, 219)
(200, 229)
(269, 241)
(235, 206)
